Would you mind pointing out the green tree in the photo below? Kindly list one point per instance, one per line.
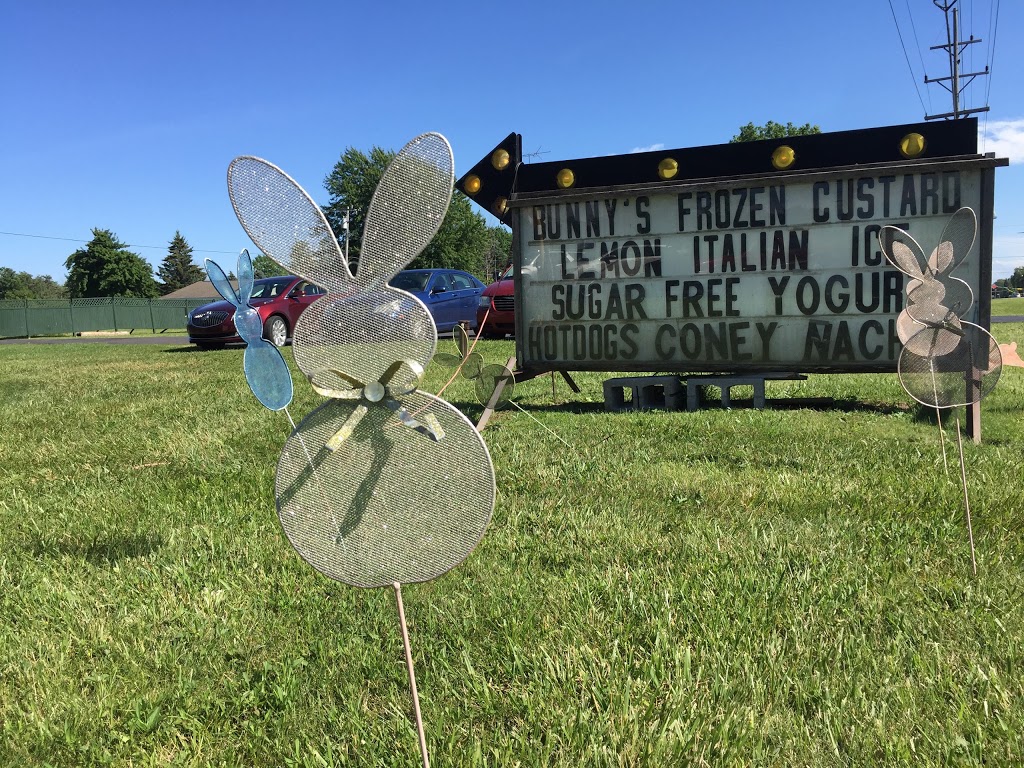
(461, 242)
(105, 267)
(264, 266)
(772, 130)
(499, 252)
(1017, 278)
(177, 269)
(22, 285)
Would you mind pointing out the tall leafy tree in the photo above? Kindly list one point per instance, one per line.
(105, 267)
(772, 130)
(177, 269)
(264, 266)
(22, 285)
(460, 243)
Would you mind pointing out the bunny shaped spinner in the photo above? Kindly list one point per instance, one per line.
(265, 370)
(383, 483)
(946, 361)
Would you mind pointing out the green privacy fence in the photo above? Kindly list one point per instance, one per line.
(53, 317)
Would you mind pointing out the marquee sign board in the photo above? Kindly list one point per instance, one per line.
(761, 256)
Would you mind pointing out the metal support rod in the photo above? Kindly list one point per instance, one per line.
(967, 503)
(942, 440)
(412, 675)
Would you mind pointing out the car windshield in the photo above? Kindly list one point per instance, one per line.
(410, 281)
(271, 287)
(508, 273)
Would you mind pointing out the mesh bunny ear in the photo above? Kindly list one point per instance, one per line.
(407, 208)
(955, 243)
(285, 223)
(903, 252)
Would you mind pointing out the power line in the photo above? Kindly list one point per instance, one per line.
(907, 57)
(127, 245)
(920, 55)
(993, 28)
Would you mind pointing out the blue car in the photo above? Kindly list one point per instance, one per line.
(451, 295)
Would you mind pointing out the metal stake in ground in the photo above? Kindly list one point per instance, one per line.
(412, 676)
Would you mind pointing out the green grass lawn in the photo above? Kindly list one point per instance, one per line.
(728, 587)
(1013, 306)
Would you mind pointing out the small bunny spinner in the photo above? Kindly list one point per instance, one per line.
(382, 484)
(939, 346)
(946, 361)
(265, 370)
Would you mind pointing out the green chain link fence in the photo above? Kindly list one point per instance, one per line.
(19, 317)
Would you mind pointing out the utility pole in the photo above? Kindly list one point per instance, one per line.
(954, 47)
(344, 228)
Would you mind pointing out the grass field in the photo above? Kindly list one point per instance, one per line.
(727, 587)
(1007, 307)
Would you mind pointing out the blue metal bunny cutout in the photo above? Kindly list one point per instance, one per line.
(265, 369)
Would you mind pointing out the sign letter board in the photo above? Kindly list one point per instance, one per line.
(743, 268)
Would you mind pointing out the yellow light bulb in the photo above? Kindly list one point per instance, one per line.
(472, 184)
(668, 168)
(783, 157)
(565, 178)
(912, 145)
(500, 207)
(500, 159)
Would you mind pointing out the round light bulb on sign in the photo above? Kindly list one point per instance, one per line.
(912, 145)
(783, 157)
(473, 184)
(668, 168)
(500, 159)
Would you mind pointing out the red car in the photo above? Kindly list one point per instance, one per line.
(499, 298)
(279, 301)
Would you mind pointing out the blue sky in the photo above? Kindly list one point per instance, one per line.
(124, 116)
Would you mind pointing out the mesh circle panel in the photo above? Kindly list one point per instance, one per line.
(390, 505)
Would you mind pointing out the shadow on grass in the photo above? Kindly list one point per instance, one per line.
(473, 409)
(193, 349)
(99, 551)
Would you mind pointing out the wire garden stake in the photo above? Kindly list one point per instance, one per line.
(946, 361)
(383, 484)
(494, 384)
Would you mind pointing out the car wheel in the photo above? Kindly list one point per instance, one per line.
(275, 330)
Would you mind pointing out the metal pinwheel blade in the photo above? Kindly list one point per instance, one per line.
(488, 381)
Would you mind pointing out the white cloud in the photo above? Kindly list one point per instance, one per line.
(652, 148)
(1004, 137)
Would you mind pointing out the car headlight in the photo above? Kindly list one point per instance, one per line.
(485, 302)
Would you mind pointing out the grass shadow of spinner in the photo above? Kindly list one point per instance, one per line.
(367, 437)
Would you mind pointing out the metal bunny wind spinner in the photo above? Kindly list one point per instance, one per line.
(946, 361)
(265, 369)
(383, 484)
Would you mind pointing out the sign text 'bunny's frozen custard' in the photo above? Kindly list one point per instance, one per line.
(732, 259)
